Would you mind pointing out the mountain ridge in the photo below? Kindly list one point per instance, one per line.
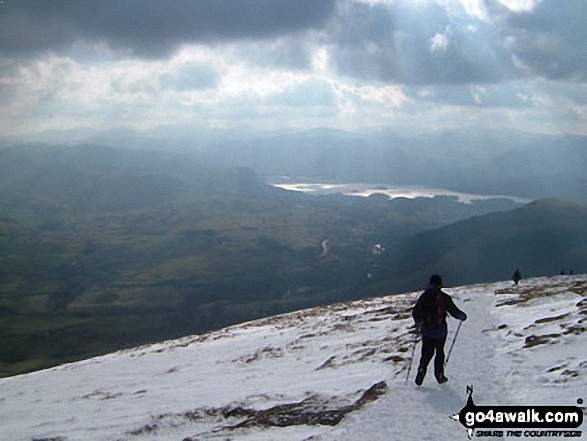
(105, 248)
(524, 164)
(543, 237)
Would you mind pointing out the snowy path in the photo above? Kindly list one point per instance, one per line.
(492, 358)
(409, 412)
(518, 347)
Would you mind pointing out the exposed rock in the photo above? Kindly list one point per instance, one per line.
(311, 411)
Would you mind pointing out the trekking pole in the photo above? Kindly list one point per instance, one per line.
(453, 343)
(411, 357)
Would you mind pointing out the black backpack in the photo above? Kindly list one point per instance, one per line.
(429, 311)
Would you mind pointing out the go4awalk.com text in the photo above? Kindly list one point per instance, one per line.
(529, 433)
(540, 416)
(520, 421)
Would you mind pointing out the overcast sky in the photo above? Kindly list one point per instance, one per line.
(409, 65)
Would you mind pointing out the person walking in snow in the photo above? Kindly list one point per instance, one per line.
(430, 313)
(517, 277)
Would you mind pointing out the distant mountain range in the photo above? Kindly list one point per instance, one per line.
(102, 248)
(510, 163)
(476, 161)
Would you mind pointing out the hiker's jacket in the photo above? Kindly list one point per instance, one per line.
(431, 310)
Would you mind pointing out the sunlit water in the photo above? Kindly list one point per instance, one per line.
(392, 191)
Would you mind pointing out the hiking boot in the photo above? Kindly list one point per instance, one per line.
(441, 379)
(420, 376)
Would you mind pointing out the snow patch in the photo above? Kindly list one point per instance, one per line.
(330, 373)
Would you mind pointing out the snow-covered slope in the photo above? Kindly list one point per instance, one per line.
(329, 373)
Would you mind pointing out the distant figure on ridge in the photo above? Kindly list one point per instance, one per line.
(517, 277)
(430, 316)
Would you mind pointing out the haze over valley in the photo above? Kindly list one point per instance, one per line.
(105, 248)
(139, 142)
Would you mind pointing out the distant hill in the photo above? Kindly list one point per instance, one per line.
(491, 162)
(544, 237)
(510, 162)
(97, 178)
(103, 248)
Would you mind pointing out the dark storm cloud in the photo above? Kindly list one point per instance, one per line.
(394, 43)
(550, 39)
(150, 28)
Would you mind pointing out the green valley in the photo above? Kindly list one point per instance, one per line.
(103, 249)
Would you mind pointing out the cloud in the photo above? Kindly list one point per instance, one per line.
(409, 64)
(440, 41)
(417, 43)
(192, 76)
(151, 28)
(394, 41)
(475, 8)
(461, 41)
(499, 95)
(550, 39)
(546, 37)
(308, 93)
(520, 5)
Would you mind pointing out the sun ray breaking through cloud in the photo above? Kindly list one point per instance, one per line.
(406, 65)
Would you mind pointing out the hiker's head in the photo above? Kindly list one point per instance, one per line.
(436, 280)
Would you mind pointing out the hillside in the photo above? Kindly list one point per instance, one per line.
(544, 237)
(105, 248)
(328, 373)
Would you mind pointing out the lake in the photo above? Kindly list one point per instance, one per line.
(392, 191)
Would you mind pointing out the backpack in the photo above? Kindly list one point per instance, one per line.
(430, 309)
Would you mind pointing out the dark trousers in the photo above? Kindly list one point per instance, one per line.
(430, 346)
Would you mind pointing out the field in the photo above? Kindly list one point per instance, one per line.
(102, 249)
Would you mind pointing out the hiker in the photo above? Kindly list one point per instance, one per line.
(430, 317)
(517, 277)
